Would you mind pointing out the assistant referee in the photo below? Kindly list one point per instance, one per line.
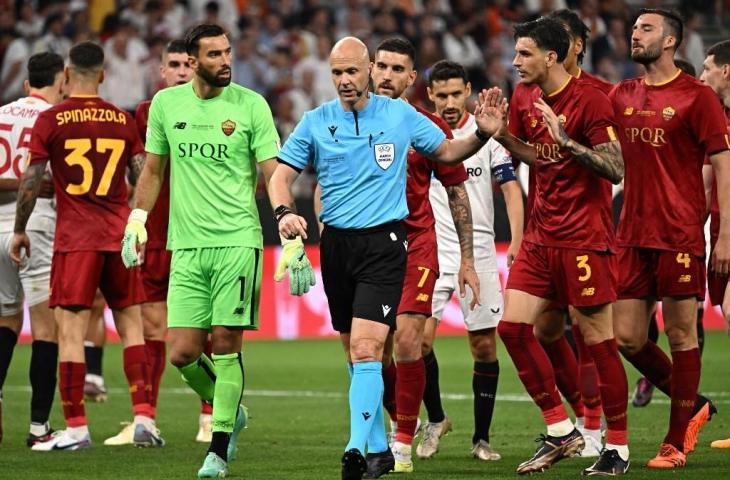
(358, 145)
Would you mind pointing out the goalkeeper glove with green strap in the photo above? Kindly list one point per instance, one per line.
(294, 260)
(134, 234)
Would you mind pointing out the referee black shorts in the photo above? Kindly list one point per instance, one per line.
(362, 273)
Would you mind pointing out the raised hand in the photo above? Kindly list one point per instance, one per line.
(555, 127)
(491, 112)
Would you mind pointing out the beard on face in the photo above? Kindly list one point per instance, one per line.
(214, 80)
(648, 54)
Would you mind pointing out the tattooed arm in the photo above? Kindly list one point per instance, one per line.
(461, 213)
(136, 165)
(28, 191)
(30, 187)
(605, 160)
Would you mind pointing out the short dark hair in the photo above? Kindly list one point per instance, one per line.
(721, 51)
(398, 45)
(43, 68)
(576, 28)
(86, 56)
(685, 66)
(672, 20)
(192, 39)
(446, 70)
(176, 46)
(547, 33)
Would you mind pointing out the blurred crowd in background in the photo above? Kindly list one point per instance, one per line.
(281, 48)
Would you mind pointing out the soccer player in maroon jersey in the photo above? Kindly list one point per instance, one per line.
(90, 144)
(567, 252)
(576, 380)
(669, 121)
(393, 73)
(716, 74)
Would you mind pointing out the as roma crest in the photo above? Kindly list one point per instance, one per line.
(228, 127)
(668, 113)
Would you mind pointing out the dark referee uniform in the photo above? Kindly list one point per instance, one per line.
(360, 159)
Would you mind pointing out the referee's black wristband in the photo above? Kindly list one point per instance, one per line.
(280, 211)
(481, 136)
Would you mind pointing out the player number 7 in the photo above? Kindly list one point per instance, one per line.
(79, 147)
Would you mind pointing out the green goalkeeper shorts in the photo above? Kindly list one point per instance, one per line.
(215, 286)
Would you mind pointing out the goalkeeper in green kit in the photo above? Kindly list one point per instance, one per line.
(213, 134)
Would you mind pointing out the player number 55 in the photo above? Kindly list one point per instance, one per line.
(79, 148)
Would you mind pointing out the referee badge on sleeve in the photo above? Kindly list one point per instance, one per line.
(384, 154)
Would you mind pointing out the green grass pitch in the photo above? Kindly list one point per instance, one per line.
(296, 393)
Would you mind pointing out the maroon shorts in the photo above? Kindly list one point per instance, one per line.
(567, 276)
(421, 275)
(649, 272)
(75, 277)
(156, 274)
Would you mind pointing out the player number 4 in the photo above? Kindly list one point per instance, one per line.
(583, 265)
(684, 259)
(77, 156)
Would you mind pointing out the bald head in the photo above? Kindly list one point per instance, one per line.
(350, 66)
(351, 49)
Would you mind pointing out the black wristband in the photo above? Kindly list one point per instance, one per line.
(281, 211)
(481, 136)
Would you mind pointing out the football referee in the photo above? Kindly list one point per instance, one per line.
(358, 145)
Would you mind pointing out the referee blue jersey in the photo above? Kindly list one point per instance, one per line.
(361, 158)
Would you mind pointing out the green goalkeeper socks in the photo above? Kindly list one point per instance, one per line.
(201, 376)
(228, 391)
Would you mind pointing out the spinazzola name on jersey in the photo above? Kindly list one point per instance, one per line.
(80, 115)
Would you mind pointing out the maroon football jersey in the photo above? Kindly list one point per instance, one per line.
(158, 217)
(715, 205)
(593, 80)
(420, 169)
(571, 205)
(665, 131)
(88, 142)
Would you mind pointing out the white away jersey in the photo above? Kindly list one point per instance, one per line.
(16, 123)
(492, 161)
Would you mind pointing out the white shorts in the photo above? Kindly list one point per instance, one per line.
(32, 280)
(486, 315)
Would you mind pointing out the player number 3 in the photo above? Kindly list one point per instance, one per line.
(79, 148)
(583, 265)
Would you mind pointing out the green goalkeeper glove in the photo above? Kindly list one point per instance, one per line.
(134, 234)
(293, 259)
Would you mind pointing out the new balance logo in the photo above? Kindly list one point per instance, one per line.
(180, 125)
(332, 129)
(386, 310)
(366, 415)
(238, 311)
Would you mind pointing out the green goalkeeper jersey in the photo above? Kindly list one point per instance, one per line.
(213, 145)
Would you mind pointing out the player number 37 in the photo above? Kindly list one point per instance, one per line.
(79, 147)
